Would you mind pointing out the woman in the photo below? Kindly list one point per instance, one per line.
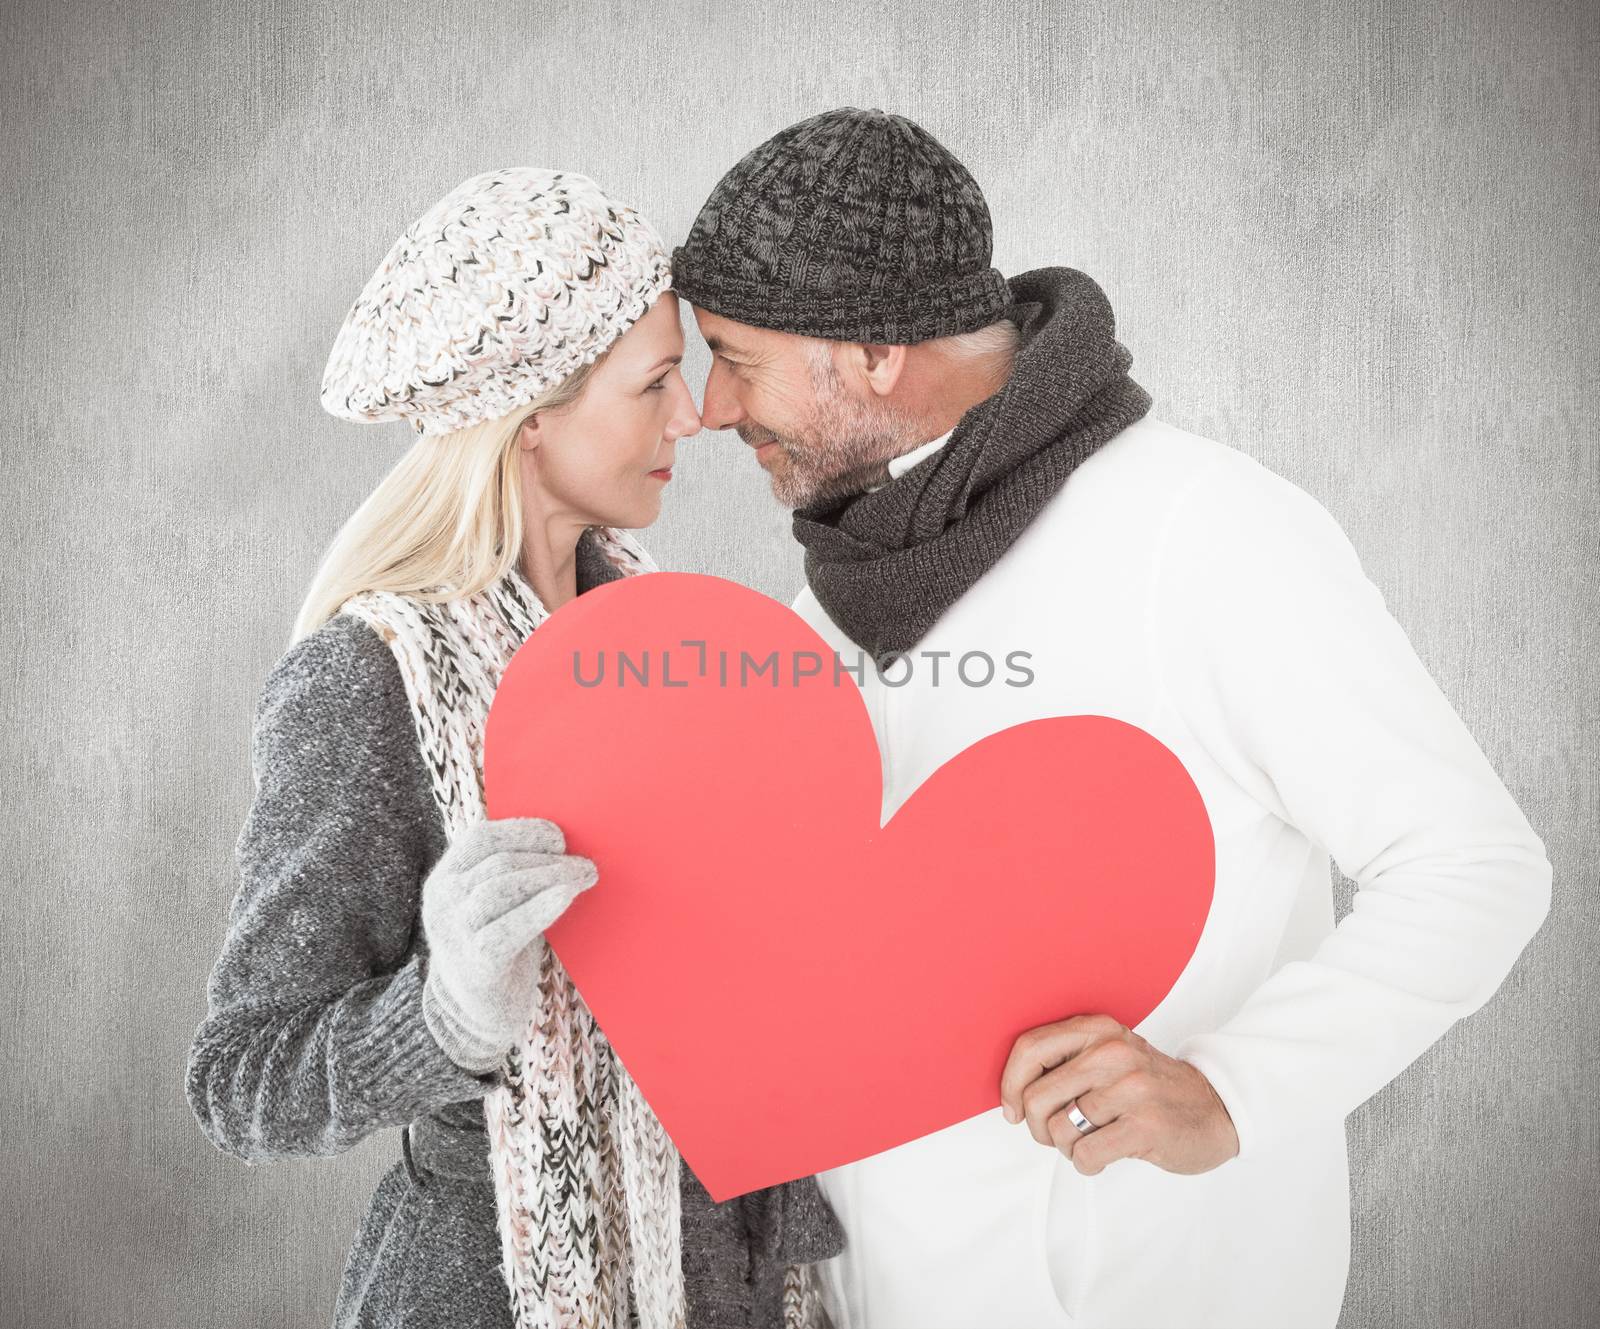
(384, 965)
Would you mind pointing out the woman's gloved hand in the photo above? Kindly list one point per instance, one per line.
(493, 891)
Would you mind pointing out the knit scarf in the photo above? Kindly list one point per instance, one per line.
(586, 1179)
(887, 563)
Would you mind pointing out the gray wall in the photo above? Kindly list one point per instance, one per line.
(1357, 240)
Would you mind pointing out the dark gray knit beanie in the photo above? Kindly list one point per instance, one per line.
(851, 225)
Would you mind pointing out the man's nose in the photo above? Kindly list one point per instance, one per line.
(685, 422)
(720, 408)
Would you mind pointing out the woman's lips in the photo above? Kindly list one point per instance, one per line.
(665, 473)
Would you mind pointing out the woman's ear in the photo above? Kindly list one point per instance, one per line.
(528, 434)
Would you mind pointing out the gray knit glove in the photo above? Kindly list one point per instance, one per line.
(493, 891)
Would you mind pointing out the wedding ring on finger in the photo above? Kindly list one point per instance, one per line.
(1083, 1124)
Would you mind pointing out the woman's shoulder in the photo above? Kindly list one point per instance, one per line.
(334, 709)
(342, 664)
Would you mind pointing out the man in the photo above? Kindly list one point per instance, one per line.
(972, 470)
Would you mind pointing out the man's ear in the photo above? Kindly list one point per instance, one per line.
(880, 365)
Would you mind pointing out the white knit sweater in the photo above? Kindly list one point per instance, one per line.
(1177, 584)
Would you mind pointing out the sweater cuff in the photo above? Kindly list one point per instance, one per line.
(454, 1035)
(399, 1054)
(1201, 1055)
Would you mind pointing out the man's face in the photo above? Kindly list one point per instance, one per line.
(815, 434)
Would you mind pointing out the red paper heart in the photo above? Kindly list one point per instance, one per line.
(792, 986)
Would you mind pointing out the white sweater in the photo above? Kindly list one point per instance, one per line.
(1177, 584)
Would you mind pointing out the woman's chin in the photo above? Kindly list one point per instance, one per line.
(634, 517)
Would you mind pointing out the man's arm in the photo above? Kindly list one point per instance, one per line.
(1277, 653)
(1283, 661)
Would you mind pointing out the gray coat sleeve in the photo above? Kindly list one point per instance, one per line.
(313, 1035)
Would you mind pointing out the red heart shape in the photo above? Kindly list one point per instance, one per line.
(793, 987)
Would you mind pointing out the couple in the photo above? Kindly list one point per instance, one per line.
(971, 469)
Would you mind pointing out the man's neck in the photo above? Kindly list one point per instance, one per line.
(949, 393)
(958, 393)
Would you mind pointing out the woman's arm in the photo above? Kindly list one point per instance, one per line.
(314, 1035)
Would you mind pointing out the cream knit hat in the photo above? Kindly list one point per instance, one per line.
(495, 294)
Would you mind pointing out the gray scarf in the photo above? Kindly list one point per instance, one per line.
(887, 564)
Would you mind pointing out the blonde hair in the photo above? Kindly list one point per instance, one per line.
(444, 523)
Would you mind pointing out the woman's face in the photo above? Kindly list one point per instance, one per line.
(604, 459)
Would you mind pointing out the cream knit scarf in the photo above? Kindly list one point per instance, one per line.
(586, 1180)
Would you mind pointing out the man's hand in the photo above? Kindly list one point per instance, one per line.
(1144, 1103)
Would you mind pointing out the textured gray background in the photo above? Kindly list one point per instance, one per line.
(1357, 240)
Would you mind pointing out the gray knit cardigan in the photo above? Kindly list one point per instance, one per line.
(314, 1036)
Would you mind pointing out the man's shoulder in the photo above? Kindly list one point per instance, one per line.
(1227, 510)
(1155, 457)
(1154, 468)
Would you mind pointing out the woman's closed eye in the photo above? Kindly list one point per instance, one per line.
(658, 384)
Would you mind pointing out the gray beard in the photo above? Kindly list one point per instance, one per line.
(848, 447)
